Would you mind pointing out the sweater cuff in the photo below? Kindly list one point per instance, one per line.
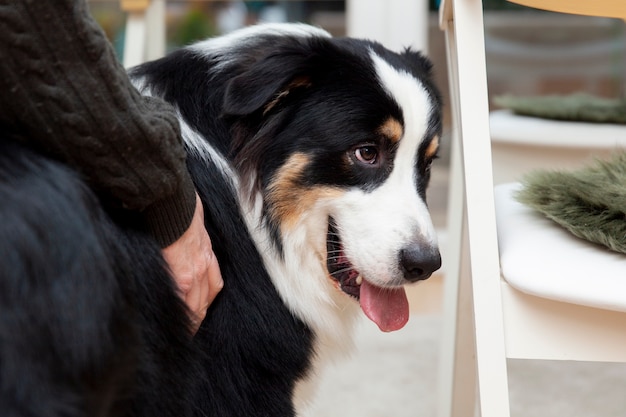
(167, 219)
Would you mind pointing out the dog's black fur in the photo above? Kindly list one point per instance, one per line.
(90, 324)
(83, 328)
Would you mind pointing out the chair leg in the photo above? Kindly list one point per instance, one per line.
(478, 287)
(469, 49)
(457, 376)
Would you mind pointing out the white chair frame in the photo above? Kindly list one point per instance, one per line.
(486, 320)
(145, 31)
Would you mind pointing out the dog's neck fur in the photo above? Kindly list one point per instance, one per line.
(304, 286)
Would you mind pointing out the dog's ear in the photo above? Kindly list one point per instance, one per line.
(265, 84)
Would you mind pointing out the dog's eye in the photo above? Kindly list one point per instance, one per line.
(367, 154)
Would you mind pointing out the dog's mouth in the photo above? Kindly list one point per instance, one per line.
(387, 307)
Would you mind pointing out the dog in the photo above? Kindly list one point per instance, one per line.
(311, 155)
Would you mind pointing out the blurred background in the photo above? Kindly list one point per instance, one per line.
(529, 52)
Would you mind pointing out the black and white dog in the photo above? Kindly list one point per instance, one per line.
(311, 155)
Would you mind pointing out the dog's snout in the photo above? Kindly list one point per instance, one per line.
(418, 263)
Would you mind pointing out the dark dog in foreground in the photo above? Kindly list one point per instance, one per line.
(311, 155)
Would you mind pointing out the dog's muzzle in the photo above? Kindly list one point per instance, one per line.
(388, 307)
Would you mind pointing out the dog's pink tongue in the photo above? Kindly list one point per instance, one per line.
(388, 308)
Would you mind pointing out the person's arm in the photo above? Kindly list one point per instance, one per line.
(66, 95)
(65, 91)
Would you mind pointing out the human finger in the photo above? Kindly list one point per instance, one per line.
(216, 282)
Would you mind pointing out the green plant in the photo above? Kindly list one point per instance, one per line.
(195, 25)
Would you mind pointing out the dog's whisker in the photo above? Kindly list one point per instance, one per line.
(341, 271)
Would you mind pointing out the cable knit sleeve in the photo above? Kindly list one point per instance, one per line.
(65, 94)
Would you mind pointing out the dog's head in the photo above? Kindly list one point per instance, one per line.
(332, 140)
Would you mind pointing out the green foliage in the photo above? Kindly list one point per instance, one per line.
(194, 26)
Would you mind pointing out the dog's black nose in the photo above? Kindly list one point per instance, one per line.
(418, 263)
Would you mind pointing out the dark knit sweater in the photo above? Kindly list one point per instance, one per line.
(64, 93)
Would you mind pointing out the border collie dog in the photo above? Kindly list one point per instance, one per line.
(311, 155)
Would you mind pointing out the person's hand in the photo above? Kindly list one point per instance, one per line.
(194, 267)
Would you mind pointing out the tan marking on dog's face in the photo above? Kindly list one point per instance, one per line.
(392, 129)
(433, 146)
(288, 198)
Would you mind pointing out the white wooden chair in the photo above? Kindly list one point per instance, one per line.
(145, 31)
(517, 286)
